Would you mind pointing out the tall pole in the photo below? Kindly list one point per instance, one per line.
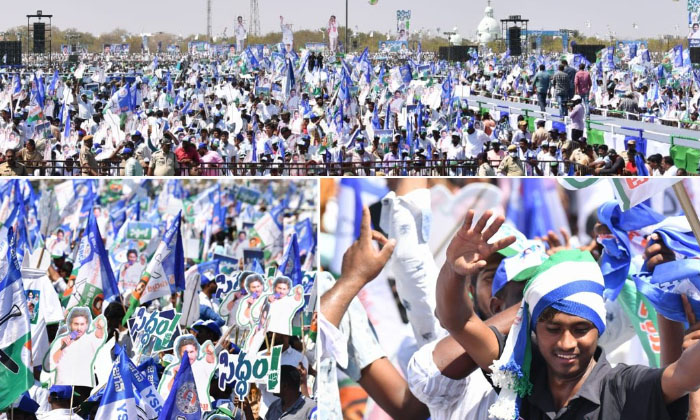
(346, 27)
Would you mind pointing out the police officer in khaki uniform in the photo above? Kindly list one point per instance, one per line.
(29, 156)
(510, 165)
(10, 167)
(164, 162)
(88, 162)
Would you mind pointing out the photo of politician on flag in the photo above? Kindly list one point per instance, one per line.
(80, 340)
(509, 298)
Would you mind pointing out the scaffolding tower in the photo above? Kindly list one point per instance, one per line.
(254, 23)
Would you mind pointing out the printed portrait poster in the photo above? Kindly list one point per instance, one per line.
(58, 243)
(283, 303)
(71, 355)
(248, 310)
(130, 272)
(203, 362)
(256, 335)
(231, 300)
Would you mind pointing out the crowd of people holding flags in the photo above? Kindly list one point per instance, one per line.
(287, 111)
(157, 299)
(525, 298)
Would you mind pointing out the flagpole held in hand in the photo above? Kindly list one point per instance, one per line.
(688, 210)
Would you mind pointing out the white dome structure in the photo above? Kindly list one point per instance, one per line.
(489, 28)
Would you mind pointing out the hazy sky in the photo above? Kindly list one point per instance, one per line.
(187, 17)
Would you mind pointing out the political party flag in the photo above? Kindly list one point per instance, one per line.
(627, 240)
(631, 191)
(577, 183)
(15, 328)
(642, 316)
(182, 402)
(118, 400)
(17, 87)
(39, 92)
(305, 236)
(257, 267)
(44, 309)
(352, 195)
(148, 399)
(95, 282)
(165, 272)
(291, 264)
(535, 208)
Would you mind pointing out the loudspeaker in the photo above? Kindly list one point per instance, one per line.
(11, 52)
(533, 45)
(454, 53)
(588, 51)
(39, 37)
(695, 55)
(514, 41)
(73, 58)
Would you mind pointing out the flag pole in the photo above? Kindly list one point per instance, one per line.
(46, 232)
(687, 206)
(72, 392)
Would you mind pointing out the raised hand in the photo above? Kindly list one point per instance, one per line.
(362, 261)
(469, 249)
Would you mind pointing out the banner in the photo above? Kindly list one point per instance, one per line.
(393, 46)
(155, 331)
(238, 369)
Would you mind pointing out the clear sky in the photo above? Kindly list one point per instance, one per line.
(654, 18)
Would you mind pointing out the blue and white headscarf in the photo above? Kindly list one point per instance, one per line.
(569, 281)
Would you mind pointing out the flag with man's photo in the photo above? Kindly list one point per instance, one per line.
(95, 282)
(165, 272)
(15, 326)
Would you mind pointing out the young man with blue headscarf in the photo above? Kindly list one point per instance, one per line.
(562, 372)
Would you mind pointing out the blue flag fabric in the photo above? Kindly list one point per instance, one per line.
(667, 283)
(182, 402)
(54, 82)
(257, 267)
(305, 236)
(118, 400)
(97, 250)
(291, 264)
(616, 259)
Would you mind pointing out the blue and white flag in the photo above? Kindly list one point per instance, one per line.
(291, 263)
(626, 242)
(15, 327)
(95, 280)
(165, 273)
(118, 400)
(182, 402)
(305, 236)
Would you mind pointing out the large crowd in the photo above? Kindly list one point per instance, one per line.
(147, 300)
(282, 109)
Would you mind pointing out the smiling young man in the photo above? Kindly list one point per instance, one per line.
(561, 372)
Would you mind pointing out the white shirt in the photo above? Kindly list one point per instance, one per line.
(448, 399)
(241, 32)
(474, 143)
(204, 300)
(58, 414)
